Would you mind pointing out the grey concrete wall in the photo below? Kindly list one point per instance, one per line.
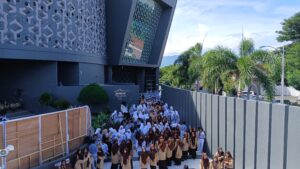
(260, 135)
(71, 93)
(90, 73)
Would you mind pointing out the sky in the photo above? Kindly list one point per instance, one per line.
(222, 22)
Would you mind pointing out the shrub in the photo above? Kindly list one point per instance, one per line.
(93, 94)
(61, 104)
(101, 120)
(46, 99)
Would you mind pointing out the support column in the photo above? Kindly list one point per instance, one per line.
(40, 141)
(157, 77)
(109, 74)
(67, 132)
(141, 79)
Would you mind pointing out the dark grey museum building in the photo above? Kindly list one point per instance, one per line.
(61, 45)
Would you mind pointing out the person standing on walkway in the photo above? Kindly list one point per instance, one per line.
(93, 150)
(170, 148)
(162, 154)
(144, 159)
(185, 149)
(193, 144)
(201, 140)
(178, 152)
(115, 156)
(204, 163)
(125, 162)
(153, 157)
(100, 159)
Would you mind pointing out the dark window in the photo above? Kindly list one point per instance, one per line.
(67, 74)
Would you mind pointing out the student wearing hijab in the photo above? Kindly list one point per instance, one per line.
(100, 160)
(204, 163)
(88, 160)
(185, 148)
(144, 159)
(153, 157)
(125, 162)
(228, 161)
(220, 156)
(162, 153)
(79, 162)
(193, 144)
(178, 152)
(130, 150)
(115, 156)
(170, 149)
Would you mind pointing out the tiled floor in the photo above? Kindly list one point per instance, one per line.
(193, 164)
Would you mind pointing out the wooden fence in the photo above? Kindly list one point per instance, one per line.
(42, 138)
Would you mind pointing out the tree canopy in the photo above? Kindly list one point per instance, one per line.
(290, 29)
(291, 32)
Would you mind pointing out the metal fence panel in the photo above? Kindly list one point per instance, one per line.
(208, 121)
(263, 132)
(293, 146)
(277, 136)
(203, 110)
(250, 134)
(240, 134)
(198, 109)
(215, 123)
(222, 122)
(194, 121)
(231, 125)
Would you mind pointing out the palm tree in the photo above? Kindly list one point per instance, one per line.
(183, 62)
(216, 63)
(222, 69)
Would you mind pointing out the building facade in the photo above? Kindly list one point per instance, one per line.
(59, 46)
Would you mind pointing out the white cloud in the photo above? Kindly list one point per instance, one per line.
(287, 10)
(224, 21)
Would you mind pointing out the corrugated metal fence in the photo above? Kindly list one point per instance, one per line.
(260, 135)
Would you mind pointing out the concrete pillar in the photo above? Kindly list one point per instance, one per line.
(141, 79)
(109, 74)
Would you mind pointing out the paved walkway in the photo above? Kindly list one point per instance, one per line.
(193, 164)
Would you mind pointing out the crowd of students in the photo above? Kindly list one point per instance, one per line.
(220, 160)
(153, 131)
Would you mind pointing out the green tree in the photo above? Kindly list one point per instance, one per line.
(293, 65)
(223, 69)
(183, 62)
(194, 70)
(246, 47)
(167, 76)
(290, 29)
(291, 32)
(217, 64)
(93, 94)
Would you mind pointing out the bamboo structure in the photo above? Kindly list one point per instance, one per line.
(42, 138)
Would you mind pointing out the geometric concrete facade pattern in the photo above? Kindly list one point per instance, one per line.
(66, 25)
